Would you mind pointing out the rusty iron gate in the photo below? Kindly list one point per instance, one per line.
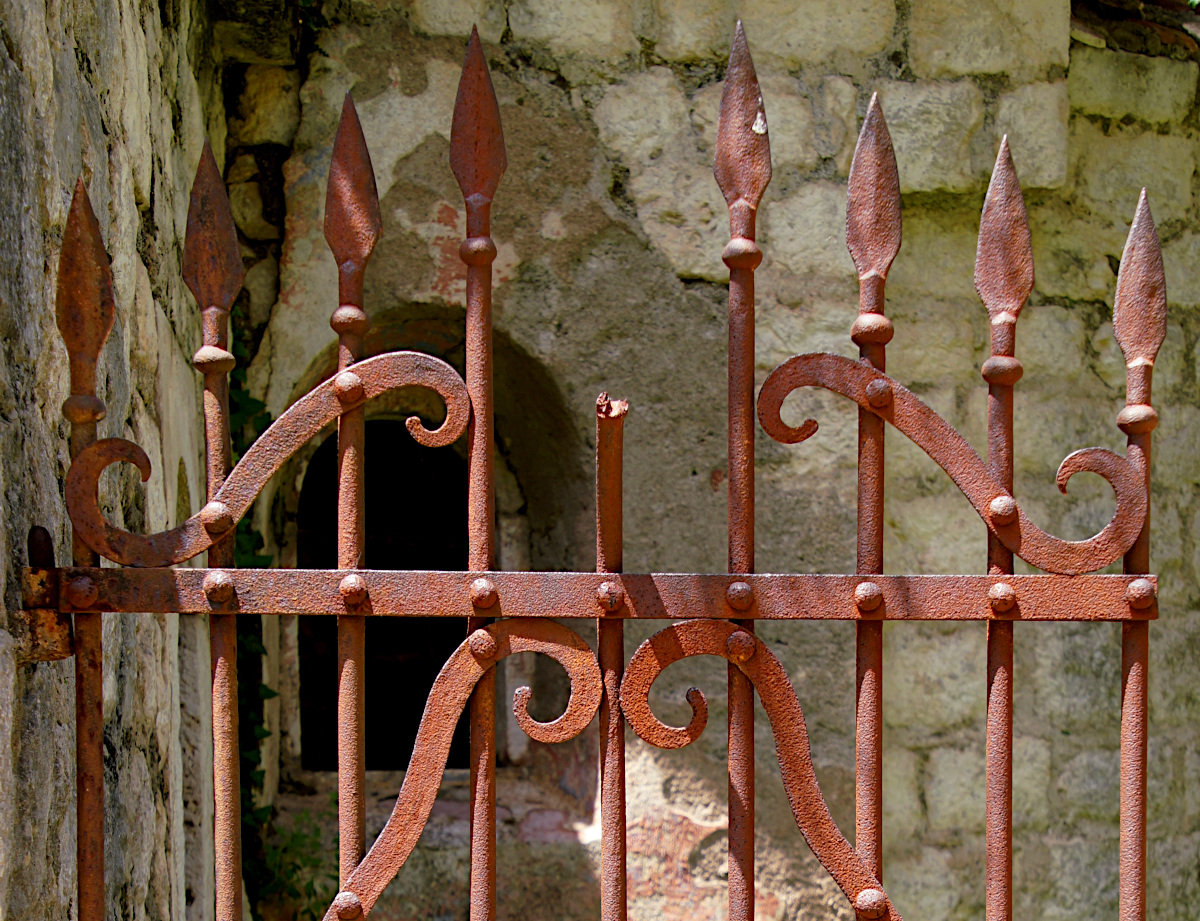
(512, 612)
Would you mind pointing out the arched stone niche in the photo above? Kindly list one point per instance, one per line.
(543, 484)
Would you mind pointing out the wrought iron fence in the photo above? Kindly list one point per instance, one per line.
(513, 612)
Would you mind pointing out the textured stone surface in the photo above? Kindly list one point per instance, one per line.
(1116, 84)
(932, 126)
(124, 98)
(1025, 38)
(268, 108)
(1035, 119)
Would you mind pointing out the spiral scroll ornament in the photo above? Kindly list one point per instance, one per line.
(447, 698)
(290, 432)
(876, 392)
(749, 654)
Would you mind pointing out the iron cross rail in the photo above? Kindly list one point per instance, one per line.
(513, 612)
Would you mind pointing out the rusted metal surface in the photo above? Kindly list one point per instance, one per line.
(509, 612)
(1004, 280)
(303, 420)
(472, 662)
(352, 228)
(748, 653)
(643, 596)
(610, 648)
(47, 629)
(85, 311)
(1140, 325)
(478, 160)
(873, 238)
(212, 270)
(743, 169)
(1003, 516)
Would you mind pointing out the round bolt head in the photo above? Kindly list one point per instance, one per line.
(349, 387)
(871, 904)
(739, 595)
(879, 393)
(483, 593)
(483, 644)
(610, 596)
(216, 518)
(867, 596)
(1141, 594)
(1002, 597)
(218, 586)
(347, 906)
(353, 589)
(1003, 510)
(82, 592)
(740, 646)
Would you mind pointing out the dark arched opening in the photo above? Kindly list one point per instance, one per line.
(416, 518)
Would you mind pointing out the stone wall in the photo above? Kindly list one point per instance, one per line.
(609, 228)
(122, 94)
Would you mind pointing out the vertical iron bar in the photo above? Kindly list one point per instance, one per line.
(1139, 322)
(478, 160)
(1004, 280)
(610, 425)
(352, 228)
(212, 269)
(85, 312)
(742, 168)
(873, 237)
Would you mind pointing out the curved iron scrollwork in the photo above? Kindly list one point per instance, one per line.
(447, 698)
(286, 435)
(875, 392)
(746, 651)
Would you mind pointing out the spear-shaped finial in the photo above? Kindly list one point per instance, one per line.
(1004, 258)
(352, 219)
(1140, 317)
(212, 262)
(477, 156)
(873, 207)
(1140, 305)
(84, 305)
(743, 160)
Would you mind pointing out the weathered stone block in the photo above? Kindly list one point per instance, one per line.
(932, 125)
(456, 17)
(1022, 38)
(954, 789)
(1113, 169)
(589, 28)
(269, 107)
(1035, 119)
(807, 230)
(1116, 85)
(692, 30)
(1031, 782)
(947, 691)
(811, 31)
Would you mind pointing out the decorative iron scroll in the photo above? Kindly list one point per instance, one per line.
(513, 612)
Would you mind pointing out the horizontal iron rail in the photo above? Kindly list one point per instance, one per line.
(651, 596)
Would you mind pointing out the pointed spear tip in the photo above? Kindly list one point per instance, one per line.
(873, 221)
(477, 155)
(212, 259)
(742, 165)
(353, 222)
(84, 307)
(1140, 304)
(1004, 256)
